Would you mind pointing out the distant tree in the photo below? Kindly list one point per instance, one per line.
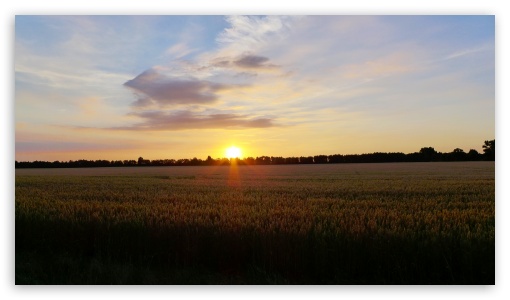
(428, 153)
(169, 162)
(458, 154)
(157, 162)
(250, 160)
(473, 155)
(263, 160)
(277, 160)
(116, 163)
(292, 160)
(489, 150)
(183, 162)
(195, 162)
(130, 162)
(225, 162)
(335, 158)
(320, 159)
(306, 160)
(142, 161)
(209, 161)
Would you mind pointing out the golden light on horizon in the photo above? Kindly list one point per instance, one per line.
(233, 152)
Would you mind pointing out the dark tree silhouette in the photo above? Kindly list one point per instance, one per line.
(425, 154)
(428, 153)
(458, 154)
(489, 150)
(306, 160)
(209, 161)
(320, 159)
(473, 155)
(143, 162)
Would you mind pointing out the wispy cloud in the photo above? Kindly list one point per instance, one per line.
(469, 51)
(180, 120)
(180, 50)
(247, 33)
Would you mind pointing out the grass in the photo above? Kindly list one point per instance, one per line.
(408, 223)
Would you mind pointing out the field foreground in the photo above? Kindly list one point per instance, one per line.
(402, 223)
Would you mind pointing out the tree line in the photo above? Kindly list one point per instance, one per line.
(426, 154)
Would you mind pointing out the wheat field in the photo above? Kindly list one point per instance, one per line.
(394, 223)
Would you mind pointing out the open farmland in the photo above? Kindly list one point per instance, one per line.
(395, 223)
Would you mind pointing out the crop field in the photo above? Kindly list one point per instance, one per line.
(394, 223)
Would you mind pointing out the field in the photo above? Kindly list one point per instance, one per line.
(395, 223)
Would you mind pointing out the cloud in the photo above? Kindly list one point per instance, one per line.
(180, 120)
(179, 50)
(221, 62)
(469, 51)
(247, 33)
(168, 91)
(241, 63)
(253, 62)
(55, 146)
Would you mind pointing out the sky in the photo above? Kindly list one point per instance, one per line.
(120, 87)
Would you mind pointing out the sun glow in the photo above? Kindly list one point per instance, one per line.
(233, 152)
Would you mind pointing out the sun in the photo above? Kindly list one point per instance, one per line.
(233, 152)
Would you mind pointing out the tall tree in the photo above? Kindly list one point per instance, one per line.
(489, 150)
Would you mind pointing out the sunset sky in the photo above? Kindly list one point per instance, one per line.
(120, 87)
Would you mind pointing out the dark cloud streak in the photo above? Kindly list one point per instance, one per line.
(181, 120)
(245, 61)
(252, 61)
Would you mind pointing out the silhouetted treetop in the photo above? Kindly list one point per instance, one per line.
(489, 150)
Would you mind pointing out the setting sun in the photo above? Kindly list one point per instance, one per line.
(233, 152)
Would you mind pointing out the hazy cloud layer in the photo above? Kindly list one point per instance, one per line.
(159, 120)
(55, 146)
(167, 91)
